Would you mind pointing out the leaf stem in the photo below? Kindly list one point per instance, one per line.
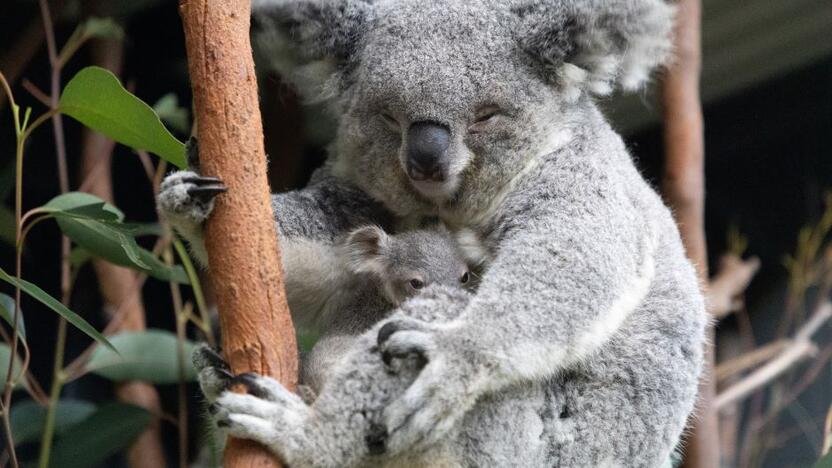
(54, 396)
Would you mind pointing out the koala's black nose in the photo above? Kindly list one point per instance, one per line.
(427, 148)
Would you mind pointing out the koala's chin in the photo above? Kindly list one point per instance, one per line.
(437, 191)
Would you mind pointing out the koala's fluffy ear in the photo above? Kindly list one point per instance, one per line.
(596, 45)
(366, 250)
(311, 41)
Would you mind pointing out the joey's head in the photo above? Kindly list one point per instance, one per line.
(443, 102)
(403, 264)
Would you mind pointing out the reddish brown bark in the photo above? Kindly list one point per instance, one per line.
(241, 240)
(118, 284)
(684, 190)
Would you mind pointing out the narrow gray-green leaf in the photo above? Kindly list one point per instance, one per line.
(28, 417)
(5, 355)
(110, 429)
(102, 28)
(171, 113)
(95, 98)
(41, 296)
(97, 227)
(825, 462)
(7, 313)
(149, 355)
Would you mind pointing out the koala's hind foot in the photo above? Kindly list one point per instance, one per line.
(185, 200)
(269, 413)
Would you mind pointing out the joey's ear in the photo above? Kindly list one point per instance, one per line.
(366, 250)
(596, 45)
(307, 40)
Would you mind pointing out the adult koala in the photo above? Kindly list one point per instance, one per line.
(583, 344)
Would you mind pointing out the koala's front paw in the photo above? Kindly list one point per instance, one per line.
(186, 198)
(269, 414)
(439, 397)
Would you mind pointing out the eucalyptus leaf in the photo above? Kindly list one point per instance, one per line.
(7, 313)
(149, 355)
(107, 431)
(97, 227)
(96, 98)
(102, 28)
(28, 417)
(5, 355)
(78, 256)
(825, 462)
(171, 113)
(41, 296)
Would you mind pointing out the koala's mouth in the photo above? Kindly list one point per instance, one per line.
(436, 191)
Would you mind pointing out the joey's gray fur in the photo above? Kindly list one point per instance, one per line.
(381, 272)
(582, 346)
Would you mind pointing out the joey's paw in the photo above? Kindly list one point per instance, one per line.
(213, 372)
(445, 389)
(269, 414)
(186, 198)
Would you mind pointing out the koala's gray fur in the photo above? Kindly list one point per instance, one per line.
(583, 345)
(382, 270)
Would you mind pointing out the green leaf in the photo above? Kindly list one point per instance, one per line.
(97, 227)
(5, 354)
(169, 110)
(7, 313)
(825, 462)
(41, 296)
(95, 98)
(28, 417)
(150, 355)
(110, 429)
(102, 28)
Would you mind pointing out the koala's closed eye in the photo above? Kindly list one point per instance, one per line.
(484, 117)
(391, 122)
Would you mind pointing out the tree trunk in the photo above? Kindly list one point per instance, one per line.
(684, 190)
(241, 239)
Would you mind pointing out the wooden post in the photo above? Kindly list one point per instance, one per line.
(257, 331)
(684, 190)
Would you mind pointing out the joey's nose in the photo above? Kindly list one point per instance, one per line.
(427, 148)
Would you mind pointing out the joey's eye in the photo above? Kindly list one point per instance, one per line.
(465, 277)
(391, 122)
(417, 283)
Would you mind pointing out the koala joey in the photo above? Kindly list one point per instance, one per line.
(384, 270)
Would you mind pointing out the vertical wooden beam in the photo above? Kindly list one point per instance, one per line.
(240, 236)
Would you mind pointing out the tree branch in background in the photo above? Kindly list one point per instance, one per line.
(683, 185)
(117, 284)
(240, 236)
(728, 285)
(801, 347)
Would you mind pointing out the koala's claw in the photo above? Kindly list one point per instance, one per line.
(213, 372)
(400, 339)
(250, 381)
(204, 356)
(376, 439)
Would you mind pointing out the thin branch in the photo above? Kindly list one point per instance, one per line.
(725, 290)
(800, 348)
(750, 359)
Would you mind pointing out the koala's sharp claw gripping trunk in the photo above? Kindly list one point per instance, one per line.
(257, 330)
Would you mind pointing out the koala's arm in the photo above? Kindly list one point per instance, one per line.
(570, 267)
